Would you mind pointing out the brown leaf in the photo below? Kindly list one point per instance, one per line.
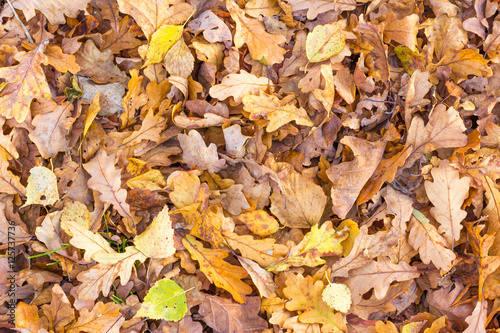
(53, 10)
(103, 317)
(196, 153)
(60, 312)
(348, 178)
(224, 315)
(372, 34)
(98, 65)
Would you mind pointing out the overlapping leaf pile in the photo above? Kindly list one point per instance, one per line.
(250, 166)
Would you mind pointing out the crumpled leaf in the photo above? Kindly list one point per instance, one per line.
(53, 10)
(348, 178)
(60, 311)
(277, 112)
(223, 274)
(165, 300)
(305, 295)
(263, 46)
(323, 241)
(196, 154)
(447, 193)
(42, 187)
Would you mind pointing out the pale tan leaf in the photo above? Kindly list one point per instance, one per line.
(447, 193)
(238, 85)
(477, 320)
(42, 187)
(431, 245)
(107, 180)
(86, 240)
(102, 318)
(262, 278)
(54, 10)
(196, 153)
(157, 241)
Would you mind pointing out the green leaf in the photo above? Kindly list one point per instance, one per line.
(165, 300)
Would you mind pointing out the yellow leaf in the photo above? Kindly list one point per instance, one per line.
(157, 241)
(263, 46)
(463, 63)
(27, 318)
(61, 61)
(264, 251)
(208, 225)
(259, 222)
(305, 295)
(325, 41)
(85, 239)
(271, 108)
(42, 187)
(91, 113)
(223, 274)
(161, 41)
(152, 180)
(25, 82)
(185, 187)
(102, 318)
(77, 212)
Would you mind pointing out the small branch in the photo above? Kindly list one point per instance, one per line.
(20, 22)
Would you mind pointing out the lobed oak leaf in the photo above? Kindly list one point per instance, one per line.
(264, 251)
(85, 239)
(224, 315)
(323, 241)
(463, 63)
(151, 127)
(107, 180)
(109, 11)
(277, 112)
(223, 274)
(431, 245)
(134, 99)
(97, 65)
(327, 95)
(263, 46)
(305, 295)
(214, 29)
(372, 35)
(316, 7)
(185, 188)
(42, 187)
(444, 129)
(152, 180)
(51, 129)
(348, 178)
(379, 275)
(27, 319)
(157, 241)
(54, 10)
(62, 62)
(196, 154)
(102, 276)
(25, 82)
(123, 35)
(59, 312)
(102, 318)
(477, 320)
(238, 85)
(447, 193)
(300, 204)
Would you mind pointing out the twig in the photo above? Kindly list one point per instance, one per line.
(20, 22)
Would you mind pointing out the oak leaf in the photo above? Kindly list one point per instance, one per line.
(185, 188)
(316, 7)
(54, 10)
(51, 129)
(262, 278)
(305, 295)
(85, 239)
(379, 275)
(223, 274)
(224, 315)
(151, 127)
(477, 320)
(196, 154)
(463, 63)
(25, 82)
(97, 65)
(348, 178)
(26, 317)
(103, 317)
(214, 29)
(264, 251)
(263, 46)
(372, 35)
(238, 85)
(425, 238)
(60, 311)
(447, 193)
(62, 62)
(445, 34)
(277, 112)
(323, 241)
(123, 35)
(444, 129)
(403, 31)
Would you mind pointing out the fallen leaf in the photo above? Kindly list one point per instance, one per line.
(97, 65)
(223, 274)
(447, 193)
(165, 300)
(262, 278)
(325, 41)
(277, 112)
(42, 187)
(53, 10)
(263, 46)
(238, 85)
(103, 316)
(157, 241)
(196, 154)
